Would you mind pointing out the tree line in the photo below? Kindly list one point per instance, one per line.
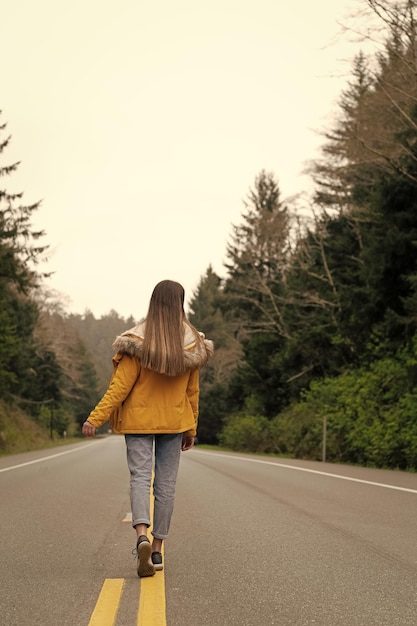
(315, 319)
(315, 316)
(48, 368)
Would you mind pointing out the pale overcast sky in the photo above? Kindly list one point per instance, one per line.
(142, 125)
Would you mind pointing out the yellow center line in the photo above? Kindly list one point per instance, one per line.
(152, 603)
(107, 605)
(152, 607)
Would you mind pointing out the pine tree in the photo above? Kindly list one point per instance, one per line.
(373, 111)
(350, 274)
(207, 316)
(346, 161)
(258, 256)
(19, 255)
(255, 297)
(19, 250)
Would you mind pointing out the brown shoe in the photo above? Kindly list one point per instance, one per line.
(145, 566)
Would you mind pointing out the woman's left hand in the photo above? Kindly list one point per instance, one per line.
(187, 442)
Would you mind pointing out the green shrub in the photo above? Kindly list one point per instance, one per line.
(371, 416)
(297, 432)
(247, 433)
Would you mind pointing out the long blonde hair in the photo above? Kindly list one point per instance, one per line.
(163, 344)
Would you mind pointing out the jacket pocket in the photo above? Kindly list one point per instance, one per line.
(116, 419)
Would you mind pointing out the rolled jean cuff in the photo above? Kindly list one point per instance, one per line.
(135, 522)
(158, 535)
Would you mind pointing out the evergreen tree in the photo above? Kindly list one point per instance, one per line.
(346, 161)
(390, 255)
(78, 382)
(257, 256)
(373, 111)
(255, 296)
(20, 252)
(84, 393)
(205, 308)
(352, 281)
(206, 315)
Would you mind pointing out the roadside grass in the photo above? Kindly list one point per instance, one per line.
(20, 433)
(215, 448)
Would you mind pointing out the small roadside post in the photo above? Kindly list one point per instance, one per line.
(323, 447)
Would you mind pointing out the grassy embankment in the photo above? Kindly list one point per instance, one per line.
(20, 433)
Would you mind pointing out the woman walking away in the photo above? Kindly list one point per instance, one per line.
(153, 400)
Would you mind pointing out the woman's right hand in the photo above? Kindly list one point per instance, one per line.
(89, 430)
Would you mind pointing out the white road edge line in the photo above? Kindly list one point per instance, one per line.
(46, 458)
(311, 471)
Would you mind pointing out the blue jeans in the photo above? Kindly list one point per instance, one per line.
(141, 450)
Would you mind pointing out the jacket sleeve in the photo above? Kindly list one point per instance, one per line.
(124, 378)
(193, 393)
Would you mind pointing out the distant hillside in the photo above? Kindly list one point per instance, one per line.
(98, 335)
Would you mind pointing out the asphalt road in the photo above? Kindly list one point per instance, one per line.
(254, 541)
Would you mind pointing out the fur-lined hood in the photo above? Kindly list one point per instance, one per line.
(196, 354)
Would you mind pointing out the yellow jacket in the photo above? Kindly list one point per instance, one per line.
(141, 401)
